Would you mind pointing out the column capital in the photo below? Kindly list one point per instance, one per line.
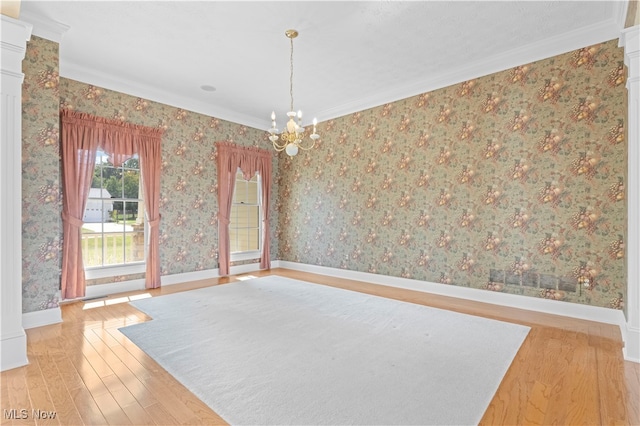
(15, 35)
(630, 40)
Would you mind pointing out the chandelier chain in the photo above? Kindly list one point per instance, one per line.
(291, 76)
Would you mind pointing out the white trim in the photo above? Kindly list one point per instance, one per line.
(245, 255)
(630, 40)
(566, 42)
(619, 15)
(13, 354)
(101, 290)
(13, 47)
(631, 341)
(563, 43)
(244, 269)
(45, 28)
(189, 276)
(113, 271)
(572, 310)
(41, 318)
(83, 74)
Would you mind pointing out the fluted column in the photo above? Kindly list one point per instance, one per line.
(13, 341)
(630, 40)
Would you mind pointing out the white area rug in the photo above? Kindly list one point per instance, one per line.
(278, 351)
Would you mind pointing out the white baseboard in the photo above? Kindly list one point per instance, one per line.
(41, 318)
(14, 351)
(631, 336)
(573, 310)
(632, 344)
(103, 290)
(189, 276)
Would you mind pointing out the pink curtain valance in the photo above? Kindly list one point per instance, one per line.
(250, 159)
(120, 140)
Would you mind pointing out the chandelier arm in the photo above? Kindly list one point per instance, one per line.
(279, 147)
(306, 148)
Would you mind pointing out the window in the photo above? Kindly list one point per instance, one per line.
(113, 233)
(245, 223)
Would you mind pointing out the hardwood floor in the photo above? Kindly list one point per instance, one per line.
(86, 372)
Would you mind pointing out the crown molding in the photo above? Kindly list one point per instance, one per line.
(566, 42)
(619, 12)
(91, 76)
(15, 34)
(547, 48)
(45, 28)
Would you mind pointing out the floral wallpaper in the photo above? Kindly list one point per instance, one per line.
(513, 182)
(188, 229)
(188, 198)
(41, 177)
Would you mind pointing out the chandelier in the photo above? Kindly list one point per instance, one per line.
(292, 137)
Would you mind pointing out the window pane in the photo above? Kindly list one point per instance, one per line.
(131, 182)
(135, 246)
(130, 214)
(241, 191)
(252, 193)
(254, 238)
(234, 215)
(241, 217)
(243, 240)
(91, 248)
(113, 246)
(233, 240)
(132, 163)
(253, 216)
(244, 227)
(112, 182)
(113, 232)
(134, 242)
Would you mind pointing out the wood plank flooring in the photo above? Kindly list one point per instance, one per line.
(84, 371)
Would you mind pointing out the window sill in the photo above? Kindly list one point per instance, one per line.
(245, 255)
(113, 271)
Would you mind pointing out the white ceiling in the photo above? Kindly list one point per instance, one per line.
(349, 56)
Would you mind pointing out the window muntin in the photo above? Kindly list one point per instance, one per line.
(245, 227)
(113, 233)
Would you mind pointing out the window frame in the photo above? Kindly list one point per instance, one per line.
(247, 254)
(128, 268)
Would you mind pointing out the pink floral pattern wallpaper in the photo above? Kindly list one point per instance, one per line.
(189, 207)
(188, 198)
(41, 178)
(512, 182)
